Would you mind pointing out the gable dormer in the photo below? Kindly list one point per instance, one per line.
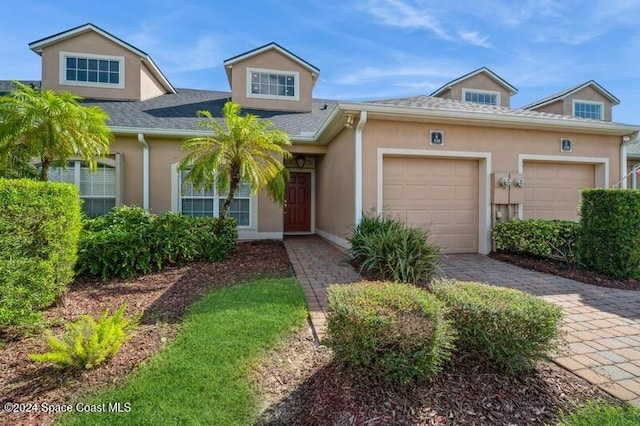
(586, 100)
(92, 63)
(270, 77)
(481, 86)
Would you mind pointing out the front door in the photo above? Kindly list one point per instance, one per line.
(297, 204)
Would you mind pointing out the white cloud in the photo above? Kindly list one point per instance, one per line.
(475, 38)
(398, 13)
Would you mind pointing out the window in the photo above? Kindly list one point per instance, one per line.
(272, 84)
(481, 97)
(97, 189)
(204, 202)
(91, 70)
(588, 109)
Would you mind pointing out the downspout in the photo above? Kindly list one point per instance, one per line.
(145, 171)
(624, 175)
(358, 168)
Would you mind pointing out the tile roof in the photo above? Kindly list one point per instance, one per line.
(7, 85)
(434, 103)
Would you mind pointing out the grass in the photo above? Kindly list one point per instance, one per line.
(202, 377)
(601, 414)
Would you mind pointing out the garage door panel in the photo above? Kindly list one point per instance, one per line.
(440, 195)
(552, 190)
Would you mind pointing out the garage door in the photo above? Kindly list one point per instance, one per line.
(552, 190)
(439, 194)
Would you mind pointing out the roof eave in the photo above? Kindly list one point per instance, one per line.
(228, 63)
(484, 119)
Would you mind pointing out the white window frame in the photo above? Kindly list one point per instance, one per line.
(483, 92)
(296, 84)
(63, 70)
(176, 199)
(582, 101)
(116, 163)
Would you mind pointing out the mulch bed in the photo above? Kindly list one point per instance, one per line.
(320, 391)
(565, 270)
(299, 384)
(161, 298)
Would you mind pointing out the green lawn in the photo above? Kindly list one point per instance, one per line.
(602, 414)
(202, 377)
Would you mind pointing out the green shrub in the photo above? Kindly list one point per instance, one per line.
(506, 328)
(39, 228)
(390, 250)
(394, 330)
(129, 241)
(609, 242)
(602, 414)
(87, 343)
(553, 239)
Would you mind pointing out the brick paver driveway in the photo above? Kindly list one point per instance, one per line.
(602, 324)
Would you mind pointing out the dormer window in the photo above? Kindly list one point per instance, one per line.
(484, 97)
(272, 84)
(588, 109)
(81, 69)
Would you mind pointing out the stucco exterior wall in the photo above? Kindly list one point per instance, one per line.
(480, 82)
(163, 154)
(505, 145)
(565, 106)
(149, 85)
(139, 82)
(271, 60)
(131, 152)
(335, 186)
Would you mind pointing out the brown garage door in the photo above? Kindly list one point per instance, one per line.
(552, 190)
(439, 194)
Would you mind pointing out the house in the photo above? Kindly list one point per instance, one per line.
(455, 162)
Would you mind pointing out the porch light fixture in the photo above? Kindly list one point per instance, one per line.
(301, 160)
(350, 120)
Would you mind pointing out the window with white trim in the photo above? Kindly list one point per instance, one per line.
(588, 109)
(272, 84)
(196, 201)
(97, 189)
(91, 70)
(481, 97)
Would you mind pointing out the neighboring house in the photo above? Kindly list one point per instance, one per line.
(441, 162)
(481, 86)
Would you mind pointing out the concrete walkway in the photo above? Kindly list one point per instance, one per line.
(602, 325)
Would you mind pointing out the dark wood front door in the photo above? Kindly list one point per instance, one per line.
(297, 205)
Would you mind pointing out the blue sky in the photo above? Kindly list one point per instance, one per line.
(365, 49)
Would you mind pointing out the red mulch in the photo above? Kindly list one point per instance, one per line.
(565, 270)
(161, 298)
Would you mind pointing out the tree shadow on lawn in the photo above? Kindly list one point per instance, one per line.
(466, 392)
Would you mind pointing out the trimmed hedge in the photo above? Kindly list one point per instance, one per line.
(506, 328)
(610, 237)
(129, 241)
(395, 331)
(553, 239)
(388, 249)
(39, 228)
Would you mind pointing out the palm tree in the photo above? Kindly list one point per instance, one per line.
(53, 127)
(244, 149)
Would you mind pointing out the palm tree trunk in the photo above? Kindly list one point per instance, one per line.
(233, 186)
(44, 173)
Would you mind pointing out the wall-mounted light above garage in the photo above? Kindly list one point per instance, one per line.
(566, 145)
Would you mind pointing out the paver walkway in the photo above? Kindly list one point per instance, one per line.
(602, 325)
